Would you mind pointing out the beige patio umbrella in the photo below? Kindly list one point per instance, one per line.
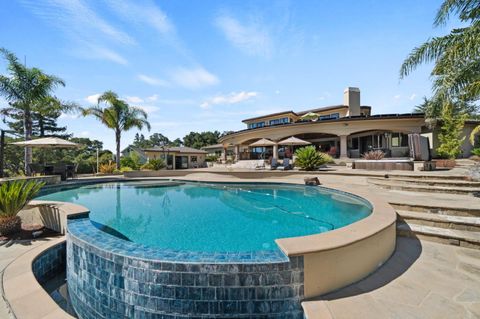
(310, 116)
(263, 142)
(291, 141)
(48, 142)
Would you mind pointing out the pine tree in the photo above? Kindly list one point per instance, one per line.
(450, 132)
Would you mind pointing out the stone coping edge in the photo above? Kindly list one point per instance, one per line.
(383, 216)
(23, 293)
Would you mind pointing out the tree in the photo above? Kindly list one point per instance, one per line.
(450, 132)
(23, 88)
(456, 55)
(118, 116)
(199, 140)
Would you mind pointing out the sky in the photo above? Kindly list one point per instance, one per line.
(206, 65)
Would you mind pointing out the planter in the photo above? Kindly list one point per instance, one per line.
(445, 163)
(10, 225)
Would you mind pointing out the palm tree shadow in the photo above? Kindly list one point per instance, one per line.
(407, 251)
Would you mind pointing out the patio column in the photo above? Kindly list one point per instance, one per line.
(224, 153)
(343, 146)
(236, 151)
(275, 151)
(173, 163)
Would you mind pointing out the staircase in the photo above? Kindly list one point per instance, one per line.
(459, 227)
(452, 185)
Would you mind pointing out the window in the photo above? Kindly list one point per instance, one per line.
(399, 140)
(329, 116)
(257, 124)
(279, 121)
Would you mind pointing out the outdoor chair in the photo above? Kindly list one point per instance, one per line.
(71, 170)
(36, 169)
(285, 165)
(260, 164)
(274, 164)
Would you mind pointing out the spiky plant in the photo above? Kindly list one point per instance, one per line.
(309, 159)
(14, 195)
(374, 155)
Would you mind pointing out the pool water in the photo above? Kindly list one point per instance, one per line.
(213, 217)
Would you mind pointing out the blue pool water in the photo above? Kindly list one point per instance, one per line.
(214, 217)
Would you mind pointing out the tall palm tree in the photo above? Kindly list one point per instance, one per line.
(23, 88)
(456, 74)
(117, 115)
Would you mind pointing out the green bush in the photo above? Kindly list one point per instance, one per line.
(132, 161)
(15, 195)
(476, 151)
(211, 158)
(125, 169)
(108, 168)
(309, 159)
(154, 165)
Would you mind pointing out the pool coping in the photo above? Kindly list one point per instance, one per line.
(27, 303)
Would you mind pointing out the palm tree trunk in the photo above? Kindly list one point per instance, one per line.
(118, 137)
(27, 128)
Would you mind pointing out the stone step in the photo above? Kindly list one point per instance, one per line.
(456, 210)
(442, 221)
(392, 185)
(429, 182)
(463, 238)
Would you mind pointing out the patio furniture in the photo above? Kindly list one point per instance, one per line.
(260, 164)
(36, 168)
(285, 165)
(274, 164)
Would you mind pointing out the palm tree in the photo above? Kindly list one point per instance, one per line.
(456, 74)
(24, 88)
(117, 115)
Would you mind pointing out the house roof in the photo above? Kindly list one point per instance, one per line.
(318, 109)
(176, 149)
(209, 147)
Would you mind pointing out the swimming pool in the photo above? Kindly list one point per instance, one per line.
(178, 249)
(213, 217)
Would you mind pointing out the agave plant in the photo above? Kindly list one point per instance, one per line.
(14, 195)
(309, 159)
(374, 155)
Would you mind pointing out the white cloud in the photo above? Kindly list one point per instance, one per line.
(152, 80)
(85, 133)
(83, 27)
(252, 38)
(149, 108)
(231, 98)
(134, 99)
(142, 13)
(93, 99)
(412, 97)
(193, 78)
(152, 98)
(397, 97)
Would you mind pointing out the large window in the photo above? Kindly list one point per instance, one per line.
(399, 140)
(279, 121)
(257, 124)
(329, 116)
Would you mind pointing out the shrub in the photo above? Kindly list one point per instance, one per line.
(476, 151)
(132, 161)
(211, 158)
(309, 159)
(14, 195)
(108, 168)
(374, 155)
(125, 169)
(154, 165)
(450, 133)
(328, 159)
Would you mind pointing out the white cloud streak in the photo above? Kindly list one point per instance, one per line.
(193, 78)
(232, 98)
(150, 80)
(93, 99)
(252, 38)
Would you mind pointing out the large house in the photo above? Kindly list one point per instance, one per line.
(345, 131)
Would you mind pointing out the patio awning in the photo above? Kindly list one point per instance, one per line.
(263, 142)
(48, 142)
(293, 141)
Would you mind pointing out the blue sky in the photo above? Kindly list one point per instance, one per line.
(206, 65)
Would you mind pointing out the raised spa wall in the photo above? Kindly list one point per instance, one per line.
(110, 278)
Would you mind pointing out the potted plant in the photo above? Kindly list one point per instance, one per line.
(14, 195)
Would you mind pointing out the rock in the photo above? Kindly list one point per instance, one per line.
(312, 181)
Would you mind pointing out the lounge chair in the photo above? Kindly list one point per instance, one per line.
(285, 165)
(260, 164)
(274, 164)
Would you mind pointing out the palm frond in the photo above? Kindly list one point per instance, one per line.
(473, 134)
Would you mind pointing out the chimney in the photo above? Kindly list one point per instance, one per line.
(351, 98)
